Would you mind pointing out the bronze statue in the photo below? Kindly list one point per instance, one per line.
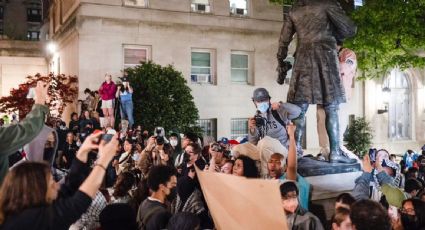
(315, 77)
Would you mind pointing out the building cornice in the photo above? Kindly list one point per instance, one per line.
(147, 16)
(18, 48)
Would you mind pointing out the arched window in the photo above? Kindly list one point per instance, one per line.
(399, 111)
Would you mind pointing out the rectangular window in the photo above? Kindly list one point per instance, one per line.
(208, 126)
(202, 66)
(33, 35)
(137, 3)
(239, 128)
(201, 6)
(33, 15)
(240, 72)
(1, 12)
(239, 7)
(135, 55)
(358, 3)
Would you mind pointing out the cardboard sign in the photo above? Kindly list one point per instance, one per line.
(240, 203)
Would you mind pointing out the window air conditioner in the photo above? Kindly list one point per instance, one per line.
(240, 11)
(201, 7)
(201, 78)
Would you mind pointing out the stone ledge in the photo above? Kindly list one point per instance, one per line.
(308, 167)
(330, 186)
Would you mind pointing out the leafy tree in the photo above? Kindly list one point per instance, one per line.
(162, 98)
(359, 136)
(390, 33)
(62, 91)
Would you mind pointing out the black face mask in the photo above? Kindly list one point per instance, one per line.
(408, 221)
(172, 195)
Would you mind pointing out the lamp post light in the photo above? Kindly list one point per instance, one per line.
(386, 93)
(51, 48)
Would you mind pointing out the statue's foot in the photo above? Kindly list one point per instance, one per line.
(339, 157)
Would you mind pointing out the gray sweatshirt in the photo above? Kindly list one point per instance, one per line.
(274, 129)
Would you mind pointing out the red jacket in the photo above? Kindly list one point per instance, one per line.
(107, 91)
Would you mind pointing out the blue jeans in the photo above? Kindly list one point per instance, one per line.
(127, 112)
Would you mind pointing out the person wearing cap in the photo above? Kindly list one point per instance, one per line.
(267, 130)
(409, 158)
(224, 143)
(274, 116)
(125, 94)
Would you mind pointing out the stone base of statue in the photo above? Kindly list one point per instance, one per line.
(327, 181)
(309, 167)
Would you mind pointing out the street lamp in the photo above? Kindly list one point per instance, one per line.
(386, 93)
(51, 48)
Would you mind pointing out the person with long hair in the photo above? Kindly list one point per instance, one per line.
(31, 199)
(122, 187)
(125, 161)
(107, 92)
(125, 94)
(413, 214)
(175, 143)
(85, 121)
(246, 167)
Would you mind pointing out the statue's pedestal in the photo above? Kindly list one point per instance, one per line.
(327, 180)
(308, 167)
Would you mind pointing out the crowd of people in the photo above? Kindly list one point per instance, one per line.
(130, 178)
